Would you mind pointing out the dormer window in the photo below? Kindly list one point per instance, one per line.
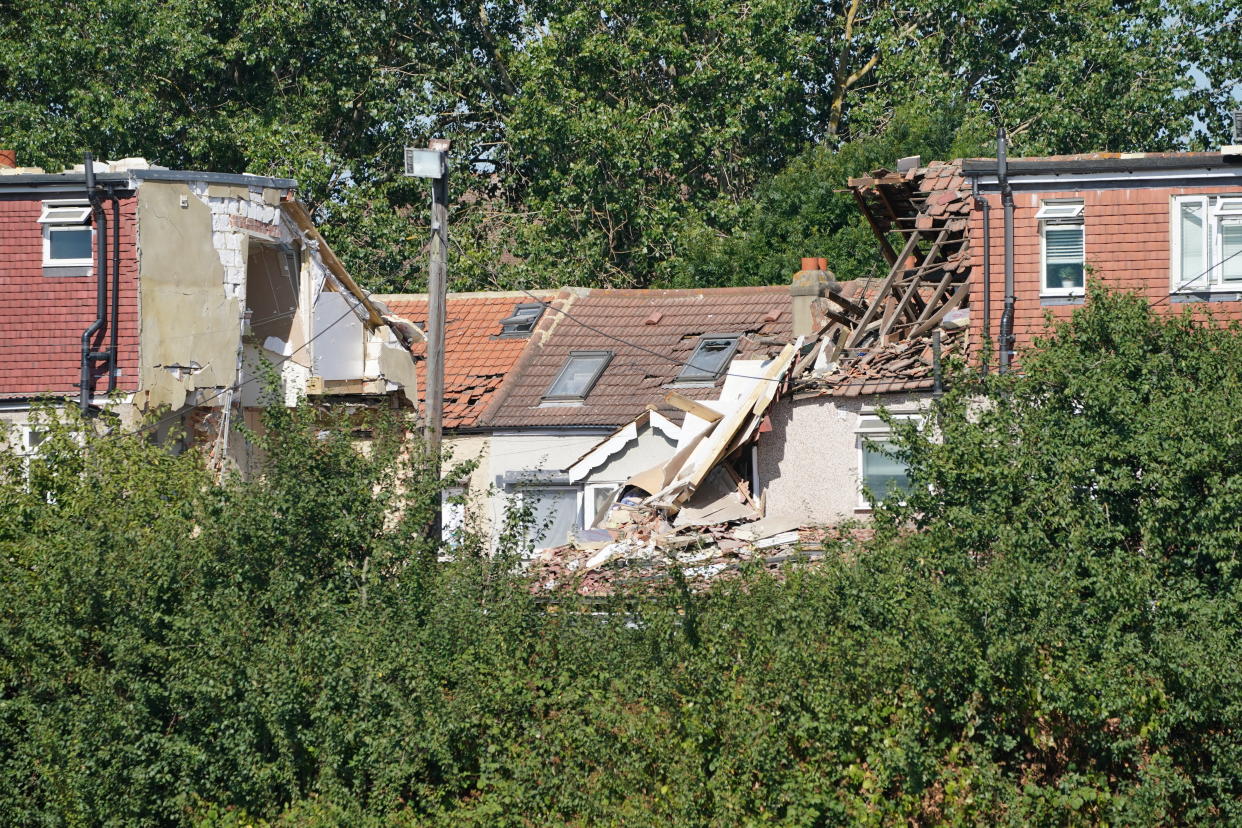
(578, 376)
(1061, 243)
(67, 238)
(710, 358)
(523, 320)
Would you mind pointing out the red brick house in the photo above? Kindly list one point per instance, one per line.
(1168, 225)
(155, 291)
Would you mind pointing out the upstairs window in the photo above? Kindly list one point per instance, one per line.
(523, 320)
(880, 475)
(1207, 243)
(1063, 257)
(710, 358)
(66, 236)
(578, 376)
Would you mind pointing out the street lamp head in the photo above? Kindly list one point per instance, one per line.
(425, 163)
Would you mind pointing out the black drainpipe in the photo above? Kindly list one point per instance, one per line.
(1006, 323)
(116, 289)
(986, 205)
(101, 280)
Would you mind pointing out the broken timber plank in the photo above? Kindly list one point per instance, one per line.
(303, 220)
(886, 249)
(932, 321)
(692, 407)
(874, 308)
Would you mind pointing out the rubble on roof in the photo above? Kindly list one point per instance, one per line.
(694, 512)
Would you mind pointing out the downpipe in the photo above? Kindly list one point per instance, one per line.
(101, 281)
(1006, 322)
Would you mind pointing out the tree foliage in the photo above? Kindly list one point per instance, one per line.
(594, 144)
(1045, 632)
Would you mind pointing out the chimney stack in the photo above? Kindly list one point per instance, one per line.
(8, 159)
(809, 283)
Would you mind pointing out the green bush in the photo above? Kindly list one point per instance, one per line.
(1046, 632)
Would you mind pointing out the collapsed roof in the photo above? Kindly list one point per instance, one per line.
(873, 338)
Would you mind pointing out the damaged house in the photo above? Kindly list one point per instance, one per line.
(572, 421)
(799, 411)
(146, 290)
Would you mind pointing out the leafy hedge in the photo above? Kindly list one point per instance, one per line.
(1057, 643)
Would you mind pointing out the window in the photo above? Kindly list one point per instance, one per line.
(66, 236)
(596, 498)
(710, 358)
(1061, 241)
(878, 471)
(1207, 243)
(452, 514)
(578, 375)
(523, 320)
(554, 515)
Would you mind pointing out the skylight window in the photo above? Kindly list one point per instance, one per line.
(710, 358)
(578, 376)
(523, 320)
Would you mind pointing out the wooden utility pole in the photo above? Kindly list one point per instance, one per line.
(437, 287)
(432, 163)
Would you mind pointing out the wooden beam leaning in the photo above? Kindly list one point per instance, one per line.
(886, 249)
(936, 318)
(692, 407)
(874, 308)
(302, 219)
(935, 299)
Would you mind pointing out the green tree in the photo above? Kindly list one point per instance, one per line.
(592, 144)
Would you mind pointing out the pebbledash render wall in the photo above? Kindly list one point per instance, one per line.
(42, 317)
(813, 441)
(1126, 243)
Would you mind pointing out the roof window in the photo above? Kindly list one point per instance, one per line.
(523, 320)
(578, 376)
(710, 358)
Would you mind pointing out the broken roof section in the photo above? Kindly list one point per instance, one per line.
(480, 348)
(694, 512)
(652, 335)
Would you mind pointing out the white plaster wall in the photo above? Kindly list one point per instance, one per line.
(548, 450)
(808, 463)
(462, 448)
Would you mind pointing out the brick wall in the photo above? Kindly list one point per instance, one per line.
(1126, 242)
(42, 317)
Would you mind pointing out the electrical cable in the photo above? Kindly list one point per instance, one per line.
(635, 345)
(1194, 279)
(233, 388)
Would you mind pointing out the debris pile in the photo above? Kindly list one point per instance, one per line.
(695, 511)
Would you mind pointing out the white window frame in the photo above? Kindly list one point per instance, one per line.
(588, 501)
(1057, 214)
(874, 430)
(452, 513)
(61, 215)
(1216, 209)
